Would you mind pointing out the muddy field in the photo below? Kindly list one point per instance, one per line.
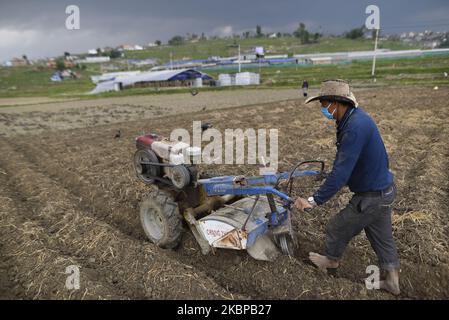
(69, 197)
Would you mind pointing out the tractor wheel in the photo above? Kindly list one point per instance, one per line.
(161, 219)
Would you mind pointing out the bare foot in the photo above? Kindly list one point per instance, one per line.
(322, 262)
(391, 283)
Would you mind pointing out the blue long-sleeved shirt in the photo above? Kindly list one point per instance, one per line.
(361, 162)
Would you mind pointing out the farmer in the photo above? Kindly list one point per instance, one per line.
(305, 88)
(362, 164)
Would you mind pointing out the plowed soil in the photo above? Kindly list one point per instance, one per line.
(69, 197)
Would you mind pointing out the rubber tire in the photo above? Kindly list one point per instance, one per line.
(161, 204)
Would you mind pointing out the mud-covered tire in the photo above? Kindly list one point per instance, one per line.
(161, 220)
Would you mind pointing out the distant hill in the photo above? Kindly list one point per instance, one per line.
(285, 45)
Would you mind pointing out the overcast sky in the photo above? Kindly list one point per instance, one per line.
(37, 28)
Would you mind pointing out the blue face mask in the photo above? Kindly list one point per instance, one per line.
(326, 113)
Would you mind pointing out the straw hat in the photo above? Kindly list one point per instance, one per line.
(335, 90)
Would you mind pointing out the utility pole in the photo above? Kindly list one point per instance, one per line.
(373, 70)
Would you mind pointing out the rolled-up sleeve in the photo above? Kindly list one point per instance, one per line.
(351, 145)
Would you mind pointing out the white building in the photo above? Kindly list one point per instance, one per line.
(238, 79)
(94, 60)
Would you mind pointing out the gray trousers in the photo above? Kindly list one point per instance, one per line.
(371, 213)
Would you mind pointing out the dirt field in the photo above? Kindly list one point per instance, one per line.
(24, 115)
(69, 197)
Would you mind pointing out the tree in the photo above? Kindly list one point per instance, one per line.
(444, 44)
(60, 65)
(158, 42)
(246, 34)
(305, 37)
(302, 33)
(355, 33)
(24, 57)
(113, 54)
(176, 41)
(259, 33)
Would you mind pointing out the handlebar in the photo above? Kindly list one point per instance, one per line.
(299, 164)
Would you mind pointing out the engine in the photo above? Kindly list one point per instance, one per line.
(158, 159)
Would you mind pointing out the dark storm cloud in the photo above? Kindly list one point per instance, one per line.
(38, 27)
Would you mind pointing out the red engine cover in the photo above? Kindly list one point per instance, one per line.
(145, 141)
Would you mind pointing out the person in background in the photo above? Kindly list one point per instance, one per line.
(305, 88)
